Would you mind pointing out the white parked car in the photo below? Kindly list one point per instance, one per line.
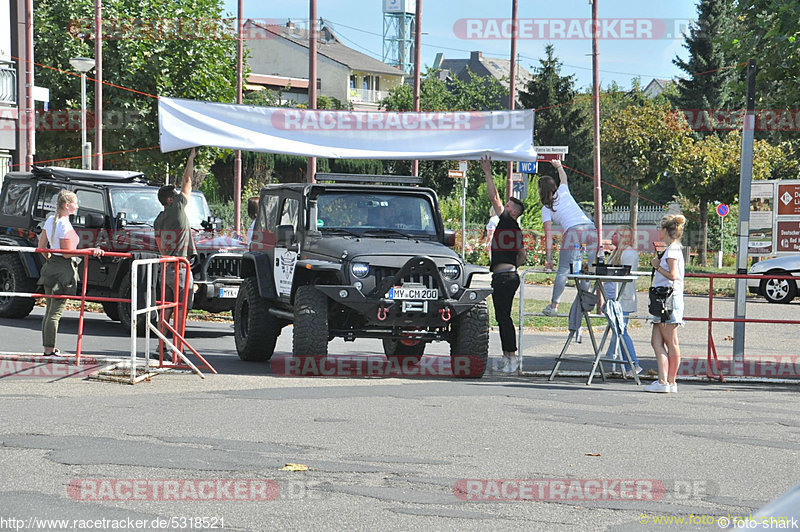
(775, 290)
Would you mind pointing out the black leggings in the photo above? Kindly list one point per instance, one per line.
(505, 285)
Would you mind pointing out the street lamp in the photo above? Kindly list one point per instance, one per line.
(83, 65)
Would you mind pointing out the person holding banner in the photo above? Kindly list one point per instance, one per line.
(508, 252)
(558, 206)
(173, 233)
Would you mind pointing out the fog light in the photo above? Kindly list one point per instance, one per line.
(343, 294)
(453, 288)
(473, 296)
(358, 285)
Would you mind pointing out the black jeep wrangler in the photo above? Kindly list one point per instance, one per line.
(116, 212)
(358, 261)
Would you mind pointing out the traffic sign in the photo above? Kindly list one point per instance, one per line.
(723, 210)
(462, 166)
(457, 174)
(527, 167)
(549, 153)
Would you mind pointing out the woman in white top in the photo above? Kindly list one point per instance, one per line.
(669, 271)
(624, 255)
(490, 227)
(558, 206)
(59, 274)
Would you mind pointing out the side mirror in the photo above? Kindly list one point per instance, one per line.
(121, 219)
(449, 238)
(212, 223)
(94, 220)
(284, 235)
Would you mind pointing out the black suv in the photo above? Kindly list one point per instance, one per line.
(116, 212)
(358, 261)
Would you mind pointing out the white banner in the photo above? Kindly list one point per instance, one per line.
(504, 135)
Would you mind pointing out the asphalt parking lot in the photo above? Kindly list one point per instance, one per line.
(393, 453)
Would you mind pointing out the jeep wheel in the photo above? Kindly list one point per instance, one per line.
(111, 308)
(255, 330)
(402, 351)
(310, 323)
(14, 279)
(124, 308)
(469, 342)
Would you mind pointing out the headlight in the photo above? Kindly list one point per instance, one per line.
(360, 269)
(451, 271)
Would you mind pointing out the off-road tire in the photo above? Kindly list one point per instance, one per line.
(111, 308)
(469, 342)
(400, 351)
(14, 279)
(255, 330)
(310, 334)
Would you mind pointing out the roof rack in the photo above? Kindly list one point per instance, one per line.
(119, 176)
(369, 178)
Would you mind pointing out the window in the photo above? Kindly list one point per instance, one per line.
(16, 199)
(359, 211)
(267, 213)
(353, 81)
(46, 200)
(289, 212)
(90, 200)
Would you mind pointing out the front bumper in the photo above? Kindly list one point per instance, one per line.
(383, 312)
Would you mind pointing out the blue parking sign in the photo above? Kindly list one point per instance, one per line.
(527, 167)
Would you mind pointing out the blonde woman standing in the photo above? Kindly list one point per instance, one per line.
(624, 255)
(669, 271)
(59, 274)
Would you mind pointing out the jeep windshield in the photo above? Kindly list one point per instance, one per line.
(375, 214)
(141, 206)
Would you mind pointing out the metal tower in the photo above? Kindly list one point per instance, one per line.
(398, 34)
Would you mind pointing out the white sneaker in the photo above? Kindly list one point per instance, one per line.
(500, 364)
(512, 365)
(657, 387)
(673, 388)
(549, 311)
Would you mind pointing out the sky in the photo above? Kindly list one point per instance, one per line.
(640, 38)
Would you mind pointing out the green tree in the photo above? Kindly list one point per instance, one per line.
(479, 93)
(559, 120)
(768, 31)
(637, 143)
(708, 85)
(707, 170)
(181, 49)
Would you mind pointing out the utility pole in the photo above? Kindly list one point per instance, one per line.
(237, 167)
(312, 77)
(746, 175)
(598, 192)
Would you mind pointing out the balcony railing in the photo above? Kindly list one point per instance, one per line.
(8, 83)
(366, 95)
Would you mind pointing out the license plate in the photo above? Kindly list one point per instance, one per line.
(228, 292)
(400, 292)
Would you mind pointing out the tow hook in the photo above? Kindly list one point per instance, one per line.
(383, 313)
(445, 313)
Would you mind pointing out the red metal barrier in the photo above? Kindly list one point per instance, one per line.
(710, 319)
(180, 307)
